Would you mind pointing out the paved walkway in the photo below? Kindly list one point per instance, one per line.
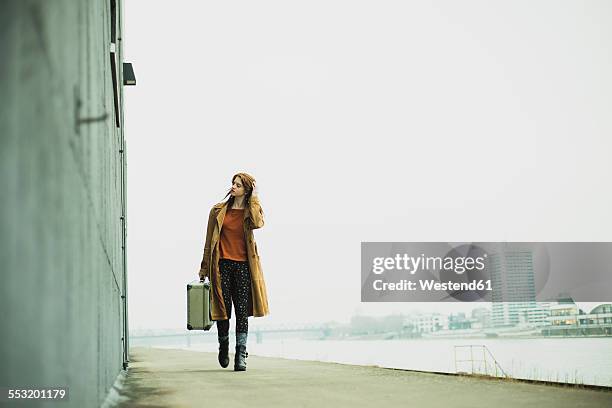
(180, 378)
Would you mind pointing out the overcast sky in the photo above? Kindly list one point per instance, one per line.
(451, 121)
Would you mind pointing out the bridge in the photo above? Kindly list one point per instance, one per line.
(258, 331)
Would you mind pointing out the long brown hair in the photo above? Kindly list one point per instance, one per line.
(248, 182)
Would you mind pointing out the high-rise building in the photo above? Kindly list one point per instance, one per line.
(512, 279)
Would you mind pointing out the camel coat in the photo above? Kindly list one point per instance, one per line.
(253, 219)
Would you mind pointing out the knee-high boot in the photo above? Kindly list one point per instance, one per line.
(223, 350)
(241, 353)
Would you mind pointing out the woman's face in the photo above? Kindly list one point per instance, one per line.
(237, 187)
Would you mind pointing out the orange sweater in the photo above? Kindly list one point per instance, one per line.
(232, 244)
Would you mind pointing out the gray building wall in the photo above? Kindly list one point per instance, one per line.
(62, 199)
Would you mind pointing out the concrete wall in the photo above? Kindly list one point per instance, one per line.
(61, 199)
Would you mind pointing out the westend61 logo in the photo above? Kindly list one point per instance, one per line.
(518, 272)
(409, 263)
(424, 272)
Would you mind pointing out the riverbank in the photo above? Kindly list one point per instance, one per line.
(181, 378)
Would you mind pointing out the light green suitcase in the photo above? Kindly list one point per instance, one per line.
(198, 305)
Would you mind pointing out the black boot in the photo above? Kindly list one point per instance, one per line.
(224, 352)
(240, 358)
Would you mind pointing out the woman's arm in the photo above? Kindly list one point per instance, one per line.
(255, 219)
(204, 265)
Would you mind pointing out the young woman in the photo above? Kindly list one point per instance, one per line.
(231, 263)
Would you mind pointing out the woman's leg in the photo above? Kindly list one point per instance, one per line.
(241, 296)
(225, 269)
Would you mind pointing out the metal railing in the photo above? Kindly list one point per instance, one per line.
(487, 365)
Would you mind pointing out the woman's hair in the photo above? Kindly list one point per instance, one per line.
(248, 182)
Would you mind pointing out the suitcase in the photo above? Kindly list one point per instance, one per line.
(198, 305)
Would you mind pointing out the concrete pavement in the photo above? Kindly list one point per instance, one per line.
(180, 378)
